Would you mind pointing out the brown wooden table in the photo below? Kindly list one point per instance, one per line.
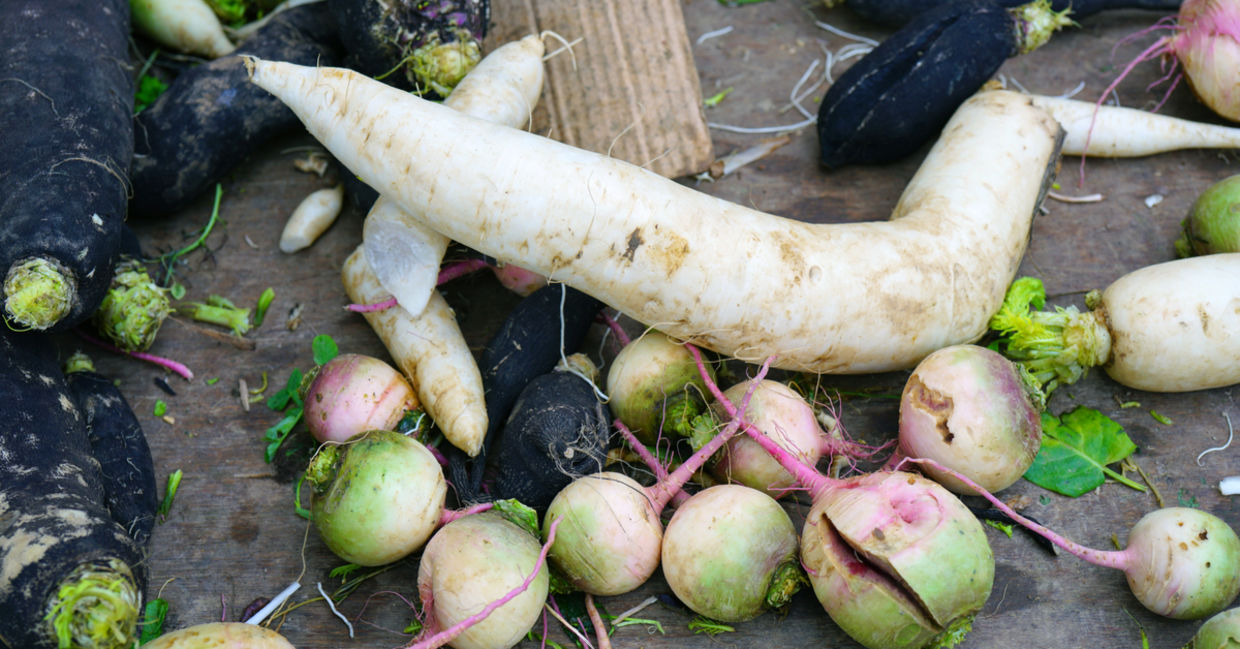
(232, 535)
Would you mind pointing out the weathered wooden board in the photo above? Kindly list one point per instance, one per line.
(233, 536)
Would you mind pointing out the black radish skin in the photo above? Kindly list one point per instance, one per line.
(53, 521)
(118, 443)
(527, 345)
(423, 45)
(66, 105)
(901, 94)
(898, 12)
(211, 117)
(557, 431)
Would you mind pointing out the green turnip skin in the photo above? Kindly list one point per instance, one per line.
(610, 532)
(377, 497)
(354, 393)
(1222, 631)
(472, 562)
(1180, 562)
(730, 554)
(655, 388)
(967, 407)
(1213, 223)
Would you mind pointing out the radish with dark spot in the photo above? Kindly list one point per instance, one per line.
(354, 393)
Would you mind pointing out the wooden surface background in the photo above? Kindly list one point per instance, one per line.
(232, 535)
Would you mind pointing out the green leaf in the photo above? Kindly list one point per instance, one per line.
(170, 493)
(153, 620)
(276, 434)
(291, 390)
(324, 349)
(1076, 449)
(160, 408)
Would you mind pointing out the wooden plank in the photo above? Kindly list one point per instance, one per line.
(628, 88)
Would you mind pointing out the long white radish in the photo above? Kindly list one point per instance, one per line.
(404, 253)
(189, 26)
(1117, 132)
(826, 298)
(430, 351)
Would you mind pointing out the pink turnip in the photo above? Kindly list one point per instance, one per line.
(353, 393)
(968, 408)
(730, 553)
(1180, 562)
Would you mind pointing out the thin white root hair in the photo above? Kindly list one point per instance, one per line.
(332, 606)
(1231, 434)
(713, 34)
(1064, 198)
(567, 45)
(275, 603)
(849, 35)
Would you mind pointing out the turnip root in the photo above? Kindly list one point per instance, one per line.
(1180, 562)
(1213, 223)
(730, 553)
(404, 253)
(377, 497)
(968, 408)
(354, 393)
(474, 561)
(221, 635)
(655, 388)
(840, 298)
(1168, 327)
(431, 352)
(610, 534)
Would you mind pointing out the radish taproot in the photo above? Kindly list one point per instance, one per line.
(1213, 222)
(354, 393)
(311, 218)
(72, 576)
(188, 26)
(405, 254)
(610, 533)
(1180, 562)
(477, 560)
(424, 46)
(558, 430)
(431, 352)
(730, 553)
(900, 94)
(655, 389)
(119, 444)
(209, 119)
(1111, 131)
(971, 201)
(67, 110)
(969, 408)
(376, 497)
(1167, 327)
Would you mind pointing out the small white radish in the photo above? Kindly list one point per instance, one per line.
(311, 218)
(1117, 132)
(221, 635)
(431, 352)
(188, 26)
(842, 298)
(1168, 327)
(404, 253)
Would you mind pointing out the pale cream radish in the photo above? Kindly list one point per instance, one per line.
(221, 635)
(431, 352)
(188, 26)
(404, 253)
(825, 298)
(1117, 132)
(311, 218)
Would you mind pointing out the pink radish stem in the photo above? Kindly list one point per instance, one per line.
(450, 515)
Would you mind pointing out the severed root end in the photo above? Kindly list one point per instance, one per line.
(133, 310)
(788, 579)
(96, 607)
(1036, 22)
(38, 293)
(439, 66)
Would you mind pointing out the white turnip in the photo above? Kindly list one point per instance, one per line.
(654, 388)
(968, 408)
(473, 563)
(730, 553)
(1169, 327)
(354, 393)
(610, 534)
(221, 635)
(1180, 562)
(651, 247)
(377, 497)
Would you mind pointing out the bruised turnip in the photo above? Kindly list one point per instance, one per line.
(968, 408)
(610, 533)
(475, 561)
(730, 553)
(353, 393)
(655, 388)
(377, 497)
(1180, 562)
